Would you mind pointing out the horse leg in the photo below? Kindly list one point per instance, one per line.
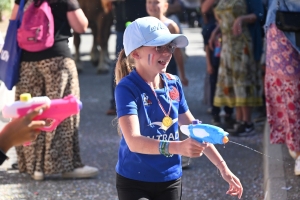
(76, 41)
(95, 51)
(103, 67)
(108, 24)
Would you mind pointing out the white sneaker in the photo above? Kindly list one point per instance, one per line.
(297, 166)
(38, 176)
(83, 172)
(222, 113)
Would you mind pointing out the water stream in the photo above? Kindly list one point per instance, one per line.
(256, 151)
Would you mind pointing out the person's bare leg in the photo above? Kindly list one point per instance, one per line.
(246, 114)
(238, 114)
(297, 162)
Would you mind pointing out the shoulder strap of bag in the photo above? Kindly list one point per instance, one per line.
(21, 10)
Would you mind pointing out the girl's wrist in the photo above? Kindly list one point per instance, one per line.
(173, 147)
(221, 165)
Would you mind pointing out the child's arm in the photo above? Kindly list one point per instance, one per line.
(138, 143)
(179, 61)
(14, 12)
(209, 67)
(235, 186)
(174, 8)
(21, 130)
(206, 5)
(213, 36)
(130, 128)
(237, 25)
(174, 29)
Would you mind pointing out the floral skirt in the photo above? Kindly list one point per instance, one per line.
(282, 89)
(239, 76)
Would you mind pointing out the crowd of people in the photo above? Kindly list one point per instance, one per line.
(147, 88)
(257, 67)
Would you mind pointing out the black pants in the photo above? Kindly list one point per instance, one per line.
(213, 82)
(129, 189)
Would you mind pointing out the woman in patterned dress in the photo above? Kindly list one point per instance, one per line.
(52, 72)
(239, 83)
(282, 82)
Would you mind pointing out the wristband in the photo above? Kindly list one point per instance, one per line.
(160, 147)
(164, 148)
(167, 154)
(220, 162)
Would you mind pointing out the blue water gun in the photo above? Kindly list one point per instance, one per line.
(205, 132)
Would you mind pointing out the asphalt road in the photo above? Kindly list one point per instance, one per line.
(99, 143)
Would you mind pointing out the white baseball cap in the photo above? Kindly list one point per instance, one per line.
(150, 31)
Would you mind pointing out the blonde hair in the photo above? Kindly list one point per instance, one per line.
(123, 67)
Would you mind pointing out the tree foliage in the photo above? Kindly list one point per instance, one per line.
(4, 5)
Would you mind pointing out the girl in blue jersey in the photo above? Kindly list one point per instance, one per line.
(150, 106)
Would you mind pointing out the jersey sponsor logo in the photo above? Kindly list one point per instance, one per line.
(146, 100)
(168, 137)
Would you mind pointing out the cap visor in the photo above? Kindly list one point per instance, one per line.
(179, 39)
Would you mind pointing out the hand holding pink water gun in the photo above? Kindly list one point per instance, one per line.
(59, 109)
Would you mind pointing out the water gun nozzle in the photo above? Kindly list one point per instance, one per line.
(225, 139)
(25, 97)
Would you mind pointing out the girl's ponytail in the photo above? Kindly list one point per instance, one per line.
(123, 66)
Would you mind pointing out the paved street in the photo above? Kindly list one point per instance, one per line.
(99, 144)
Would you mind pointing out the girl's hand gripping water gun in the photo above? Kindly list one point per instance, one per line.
(59, 109)
(205, 133)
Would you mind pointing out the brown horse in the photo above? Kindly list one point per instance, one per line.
(100, 16)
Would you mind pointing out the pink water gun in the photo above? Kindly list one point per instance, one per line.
(59, 109)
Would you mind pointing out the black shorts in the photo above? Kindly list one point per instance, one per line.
(129, 189)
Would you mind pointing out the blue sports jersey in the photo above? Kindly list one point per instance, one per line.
(135, 97)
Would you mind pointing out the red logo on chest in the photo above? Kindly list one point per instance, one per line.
(174, 94)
